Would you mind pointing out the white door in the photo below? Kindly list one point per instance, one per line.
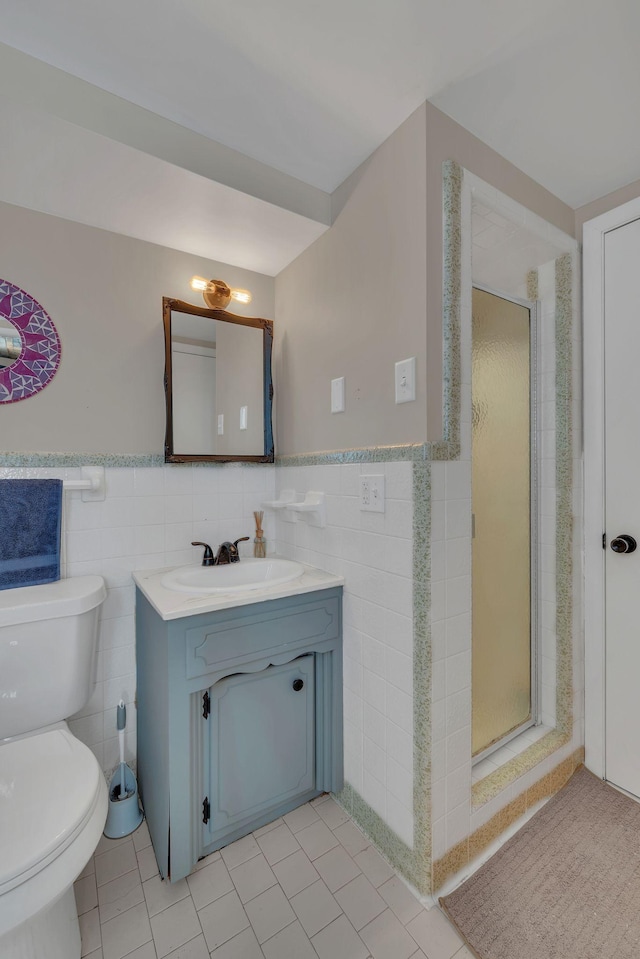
(622, 505)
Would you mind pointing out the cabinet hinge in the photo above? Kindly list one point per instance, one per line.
(206, 705)
(206, 810)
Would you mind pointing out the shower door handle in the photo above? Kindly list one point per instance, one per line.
(623, 544)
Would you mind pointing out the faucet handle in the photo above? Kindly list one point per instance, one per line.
(234, 555)
(208, 558)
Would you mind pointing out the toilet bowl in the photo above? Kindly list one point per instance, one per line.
(53, 795)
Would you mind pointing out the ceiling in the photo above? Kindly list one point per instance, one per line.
(312, 89)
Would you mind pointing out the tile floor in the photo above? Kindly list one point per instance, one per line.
(308, 886)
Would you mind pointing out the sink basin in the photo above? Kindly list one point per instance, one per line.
(233, 578)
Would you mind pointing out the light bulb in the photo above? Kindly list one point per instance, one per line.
(217, 294)
(241, 296)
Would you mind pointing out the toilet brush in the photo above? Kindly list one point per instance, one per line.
(121, 722)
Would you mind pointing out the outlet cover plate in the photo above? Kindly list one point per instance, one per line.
(372, 493)
(337, 395)
(406, 380)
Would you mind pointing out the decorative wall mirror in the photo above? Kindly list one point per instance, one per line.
(29, 345)
(218, 385)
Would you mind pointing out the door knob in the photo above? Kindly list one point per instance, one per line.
(623, 544)
(297, 685)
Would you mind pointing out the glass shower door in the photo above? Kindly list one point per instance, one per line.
(501, 503)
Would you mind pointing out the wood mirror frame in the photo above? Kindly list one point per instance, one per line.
(170, 305)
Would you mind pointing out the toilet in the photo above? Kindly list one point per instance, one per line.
(53, 795)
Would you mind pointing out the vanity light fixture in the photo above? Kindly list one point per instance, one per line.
(217, 294)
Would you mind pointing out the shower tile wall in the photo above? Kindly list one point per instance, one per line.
(374, 553)
(148, 520)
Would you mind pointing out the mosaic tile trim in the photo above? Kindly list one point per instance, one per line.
(532, 285)
(415, 452)
(489, 787)
(451, 298)
(444, 451)
(422, 667)
(61, 460)
(414, 863)
(122, 460)
(492, 785)
(390, 845)
(564, 493)
(459, 856)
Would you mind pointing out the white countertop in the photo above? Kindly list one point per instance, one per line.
(170, 604)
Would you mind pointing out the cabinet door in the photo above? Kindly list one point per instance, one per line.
(262, 743)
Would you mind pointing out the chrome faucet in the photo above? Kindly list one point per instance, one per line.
(227, 552)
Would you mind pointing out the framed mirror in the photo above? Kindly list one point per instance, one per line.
(218, 385)
(29, 345)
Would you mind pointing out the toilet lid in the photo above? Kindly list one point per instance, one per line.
(48, 787)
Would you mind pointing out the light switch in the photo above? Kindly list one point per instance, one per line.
(406, 380)
(243, 417)
(337, 395)
(220, 424)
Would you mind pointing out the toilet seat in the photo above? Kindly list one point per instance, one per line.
(53, 803)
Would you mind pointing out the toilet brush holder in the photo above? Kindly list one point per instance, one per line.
(124, 814)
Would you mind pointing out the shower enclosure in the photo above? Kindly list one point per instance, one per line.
(504, 511)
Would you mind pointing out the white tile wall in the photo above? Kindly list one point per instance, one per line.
(148, 520)
(373, 551)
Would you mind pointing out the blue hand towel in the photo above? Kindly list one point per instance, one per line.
(30, 521)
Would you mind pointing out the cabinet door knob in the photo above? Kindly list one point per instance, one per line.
(297, 684)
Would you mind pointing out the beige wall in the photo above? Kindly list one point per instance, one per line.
(353, 304)
(604, 204)
(104, 294)
(369, 292)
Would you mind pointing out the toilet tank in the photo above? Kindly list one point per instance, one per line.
(48, 651)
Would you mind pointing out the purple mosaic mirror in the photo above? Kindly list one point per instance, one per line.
(39, 356)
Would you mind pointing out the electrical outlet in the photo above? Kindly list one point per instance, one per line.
(372, 493)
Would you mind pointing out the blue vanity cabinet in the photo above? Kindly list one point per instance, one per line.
(239, 719)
